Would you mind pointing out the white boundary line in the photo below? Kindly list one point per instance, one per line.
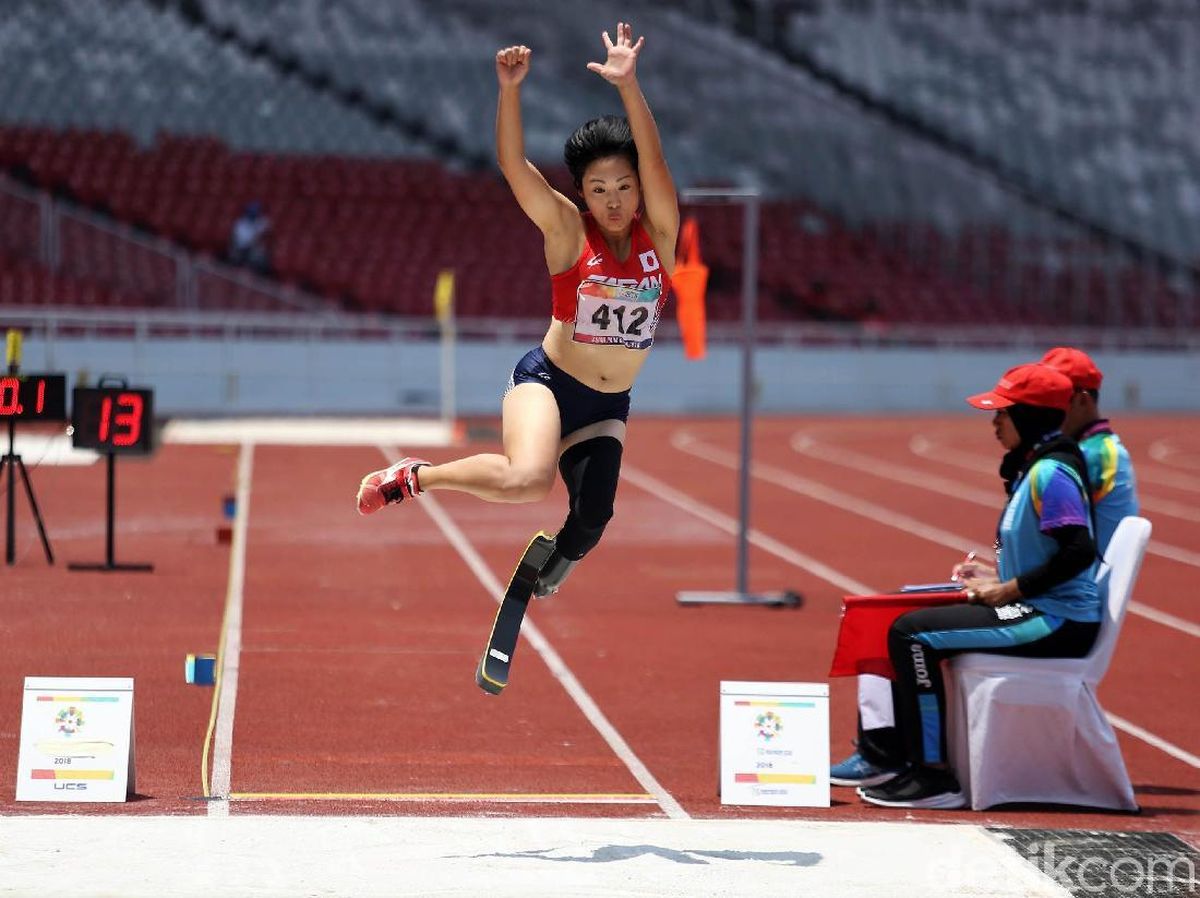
(730, 460)
(231, 641)
(533, 635)
(1158, 742)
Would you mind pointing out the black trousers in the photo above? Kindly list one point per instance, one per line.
(920, 640)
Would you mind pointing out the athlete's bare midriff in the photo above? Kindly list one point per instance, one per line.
(609, 369)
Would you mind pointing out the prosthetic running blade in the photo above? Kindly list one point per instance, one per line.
(492, 674)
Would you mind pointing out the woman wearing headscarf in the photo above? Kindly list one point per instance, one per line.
(1039, 601)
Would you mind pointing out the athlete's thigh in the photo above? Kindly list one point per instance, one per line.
(530, 428)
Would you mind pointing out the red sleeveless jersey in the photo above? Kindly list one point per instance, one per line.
(641, 271)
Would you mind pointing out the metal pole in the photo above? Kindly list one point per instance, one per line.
(749, 316)
(109, 554)
(749, 198)
(10, 539)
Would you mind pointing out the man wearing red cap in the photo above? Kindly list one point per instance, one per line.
(1041, 601)
(1110, 471)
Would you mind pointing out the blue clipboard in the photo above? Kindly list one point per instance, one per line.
(946, 586)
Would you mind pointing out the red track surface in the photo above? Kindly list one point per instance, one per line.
(360, 636)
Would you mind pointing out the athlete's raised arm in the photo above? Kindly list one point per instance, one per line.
(556, 216)
(658, 188)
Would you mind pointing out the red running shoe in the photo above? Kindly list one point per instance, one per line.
(394, 484)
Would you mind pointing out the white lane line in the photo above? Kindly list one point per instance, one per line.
(533, 635)
(1168, 478)
(807, 445)
(231, 642)
(1164, 618)
(804, 444)
(1173, 457)
(1160, 450)
(1170, 509)
(725, 522)
(815, 490)
(1157, 741)
(926, 447)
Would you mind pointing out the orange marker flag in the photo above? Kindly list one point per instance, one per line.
(690, 281)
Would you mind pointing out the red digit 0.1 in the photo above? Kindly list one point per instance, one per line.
(41, 396)
(131, 419)
(10, 396)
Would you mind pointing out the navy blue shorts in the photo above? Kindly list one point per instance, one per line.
(578, 404)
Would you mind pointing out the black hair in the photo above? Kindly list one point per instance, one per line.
(600, 138)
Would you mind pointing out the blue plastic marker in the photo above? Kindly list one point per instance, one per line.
(200, 670)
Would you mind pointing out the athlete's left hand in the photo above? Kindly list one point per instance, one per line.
(621, 65)
(993, 593)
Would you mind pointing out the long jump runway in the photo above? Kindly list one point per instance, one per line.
(349, 751)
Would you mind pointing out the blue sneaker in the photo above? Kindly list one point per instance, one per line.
(858, 771)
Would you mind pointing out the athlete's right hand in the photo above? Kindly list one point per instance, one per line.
(512, 65)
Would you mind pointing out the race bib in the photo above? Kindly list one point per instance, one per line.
(608, 314)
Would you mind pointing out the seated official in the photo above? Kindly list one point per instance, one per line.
(878, 756)
(1041, 601)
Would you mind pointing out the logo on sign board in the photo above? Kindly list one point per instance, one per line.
(768, 725)
(69, 720)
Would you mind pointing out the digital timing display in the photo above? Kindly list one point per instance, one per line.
(112, 419)
(33, 397)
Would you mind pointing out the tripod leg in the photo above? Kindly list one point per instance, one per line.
(37, 514)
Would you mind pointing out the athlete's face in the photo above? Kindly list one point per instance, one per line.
(612, 192)
(1006, 431)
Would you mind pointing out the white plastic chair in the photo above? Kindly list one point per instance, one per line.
(1031, 729)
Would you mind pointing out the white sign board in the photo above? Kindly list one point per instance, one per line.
(775, 744)
(76, 739)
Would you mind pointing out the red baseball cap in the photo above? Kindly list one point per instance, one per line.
(1031, 384)
(1076, 364)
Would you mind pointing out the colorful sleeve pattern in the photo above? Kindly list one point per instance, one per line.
(1102, 458)
(1057, 495)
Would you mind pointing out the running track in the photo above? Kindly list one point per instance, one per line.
(352, 642)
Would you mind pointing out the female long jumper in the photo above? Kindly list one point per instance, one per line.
(610, 268)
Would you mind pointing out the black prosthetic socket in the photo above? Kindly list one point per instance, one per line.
(590, 470)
